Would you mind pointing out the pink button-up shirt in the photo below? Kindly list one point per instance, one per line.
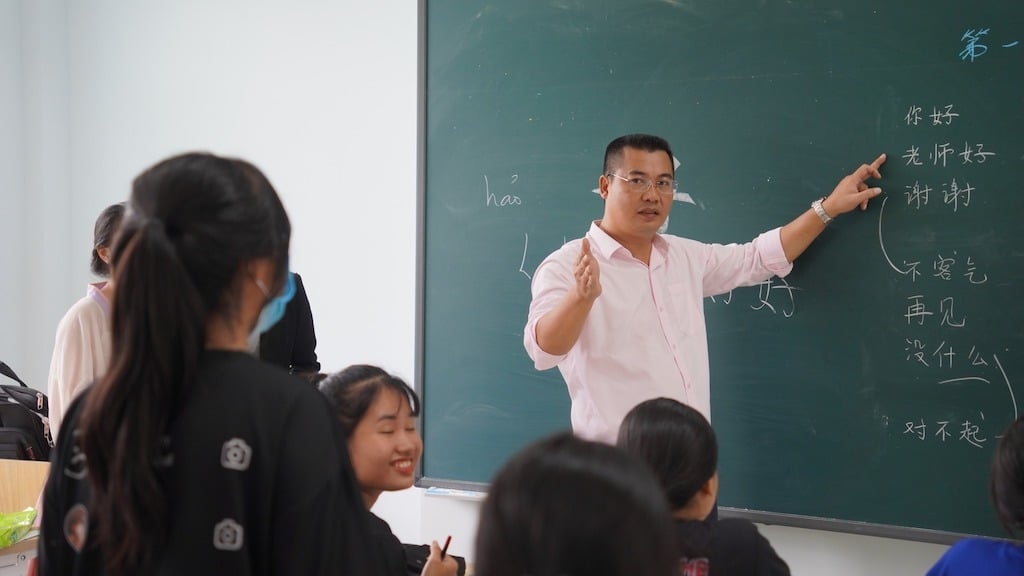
(645, 335)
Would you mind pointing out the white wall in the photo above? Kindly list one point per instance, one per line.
(322, 96)
(12, 178)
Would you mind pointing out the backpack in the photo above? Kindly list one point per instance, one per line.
(24, 420)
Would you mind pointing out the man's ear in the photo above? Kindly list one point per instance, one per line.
(602, 186)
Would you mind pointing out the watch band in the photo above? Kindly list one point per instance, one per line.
(820, 210)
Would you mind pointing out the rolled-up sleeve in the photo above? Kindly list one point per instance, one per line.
(550, 283)
(727, 267)
(773, 257)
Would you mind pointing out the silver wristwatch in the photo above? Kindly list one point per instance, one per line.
(820, 210)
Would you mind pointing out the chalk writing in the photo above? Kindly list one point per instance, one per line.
(943, 154)
(942, 356)
(726, 300)
(940, 115)
(955, 194)
(764, 293)
(970, 433)
(775, 295)
(917, 310)
(522, 263)
(506, 200)
(974, 48)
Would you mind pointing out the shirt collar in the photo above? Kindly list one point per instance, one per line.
(95, 291)
(608, 246)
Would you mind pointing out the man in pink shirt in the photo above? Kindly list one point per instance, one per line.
(620, 311)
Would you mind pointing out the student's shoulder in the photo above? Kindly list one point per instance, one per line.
(739, 526)
(980, 551)
(83, 312)
(244, 373)
(741, 546)
(737, 534)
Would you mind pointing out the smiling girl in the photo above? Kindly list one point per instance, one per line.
(378, 414)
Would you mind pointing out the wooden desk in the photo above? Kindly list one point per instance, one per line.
(21, 482)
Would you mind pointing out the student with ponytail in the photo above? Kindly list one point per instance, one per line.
(189, 455)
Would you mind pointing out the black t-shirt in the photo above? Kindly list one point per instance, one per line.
(257, 478)
(388, 547)
(402, 559)
(726, 547)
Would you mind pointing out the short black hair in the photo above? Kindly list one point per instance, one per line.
(565, 505)
(676, 441)
(1006, 480)
(351, 392)
(645, 142)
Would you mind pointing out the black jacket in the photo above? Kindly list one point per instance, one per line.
(291, 343)
(730, 546)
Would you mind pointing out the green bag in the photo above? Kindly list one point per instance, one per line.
(15, 525)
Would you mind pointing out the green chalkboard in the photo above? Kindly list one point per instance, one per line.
(865, 392)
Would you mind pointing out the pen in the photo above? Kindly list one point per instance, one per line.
(444, 550)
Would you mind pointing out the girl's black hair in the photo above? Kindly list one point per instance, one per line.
(192, 223)
(566, 506)
(107, 224)
(352, 391)
(1006, 481)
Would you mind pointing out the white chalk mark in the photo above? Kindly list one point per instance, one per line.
(1008, 387)
(523, 261)
(881, 244)
(965, 379)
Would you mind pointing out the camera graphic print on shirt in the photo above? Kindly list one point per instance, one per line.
(235, 455)
(228, 534)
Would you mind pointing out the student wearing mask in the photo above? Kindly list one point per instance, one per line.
(291, 343)
(190, 456)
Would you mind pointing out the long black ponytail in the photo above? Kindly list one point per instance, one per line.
(192, 221)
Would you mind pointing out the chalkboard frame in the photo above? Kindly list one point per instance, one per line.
(763, 517)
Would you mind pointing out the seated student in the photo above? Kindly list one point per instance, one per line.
(1006, 486)
(190, 456)
(568, 506)
(679, 445)
(378, 415)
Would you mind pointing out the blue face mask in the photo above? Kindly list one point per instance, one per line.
(274, 309)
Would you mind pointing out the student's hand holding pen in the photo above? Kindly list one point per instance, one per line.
(439, 563)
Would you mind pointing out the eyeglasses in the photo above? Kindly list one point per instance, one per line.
(638, 185)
